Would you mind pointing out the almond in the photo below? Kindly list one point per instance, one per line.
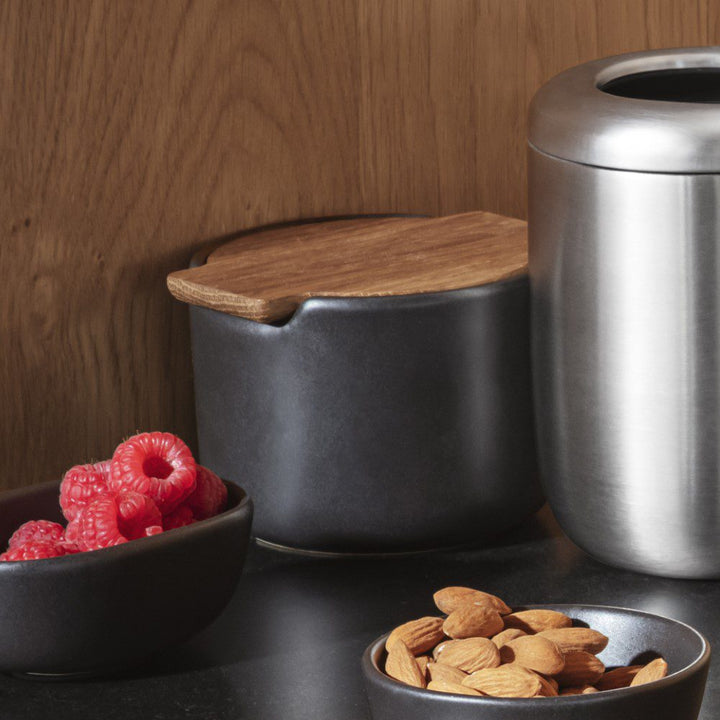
(505, 681)
(445, 673)
(574, 639)
(581, 668)
(451, 598)
(450, 687)
(419, 635)
(507, 635)
(402, 666)
(584, 690)
(483, 648)
(534, 621)
(469, 655)
(653, 671)
(549, 687)
(470, 621)
(422, 663)
(534, 653)
(618, 677)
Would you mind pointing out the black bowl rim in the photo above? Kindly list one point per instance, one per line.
(374, 674)
(128, 549)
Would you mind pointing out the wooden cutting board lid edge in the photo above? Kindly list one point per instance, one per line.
(266, 276)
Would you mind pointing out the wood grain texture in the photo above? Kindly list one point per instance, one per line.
(133, 132)
(268, 276)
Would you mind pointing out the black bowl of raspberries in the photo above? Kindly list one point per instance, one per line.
(141, 552)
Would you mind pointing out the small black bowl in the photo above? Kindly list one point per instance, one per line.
(105, 610)
(635, 637)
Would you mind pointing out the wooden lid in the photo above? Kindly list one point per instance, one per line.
(265, 276)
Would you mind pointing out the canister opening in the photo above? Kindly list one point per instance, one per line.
(689, 84)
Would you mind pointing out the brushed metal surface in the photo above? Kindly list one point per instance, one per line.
(573, 119)
(624, 273)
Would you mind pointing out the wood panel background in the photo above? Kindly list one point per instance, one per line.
(132, 132)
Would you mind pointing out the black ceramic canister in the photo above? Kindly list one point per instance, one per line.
(385, 423)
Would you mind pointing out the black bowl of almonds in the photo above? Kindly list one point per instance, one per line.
(482, 659)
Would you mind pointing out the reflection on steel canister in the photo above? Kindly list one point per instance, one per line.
(625, 269)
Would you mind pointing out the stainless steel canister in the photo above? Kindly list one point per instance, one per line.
(625, 279)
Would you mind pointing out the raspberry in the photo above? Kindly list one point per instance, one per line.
(210, 495)
(69, 542)
(72, 533)
(159, 465)
(36, 530)
(80, 485)
(33, 550)
(179, 517)
(153, 530)
(113, 519)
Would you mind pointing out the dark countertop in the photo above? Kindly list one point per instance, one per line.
(288, 647)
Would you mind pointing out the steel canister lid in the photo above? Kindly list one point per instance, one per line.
(655, 111)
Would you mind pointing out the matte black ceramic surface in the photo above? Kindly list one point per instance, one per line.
(107, 609)
(635, 637)
(374, 424)
(288, 645)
